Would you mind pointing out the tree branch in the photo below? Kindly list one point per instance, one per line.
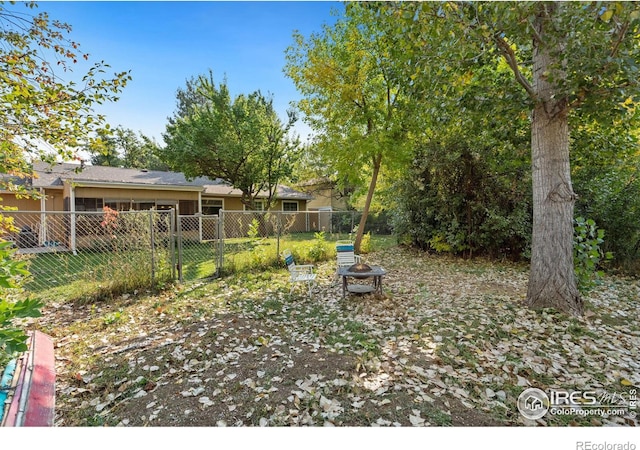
(511, 59)
(536, 35)
(623, 33)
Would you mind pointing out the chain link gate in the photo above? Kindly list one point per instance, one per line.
(198, 240)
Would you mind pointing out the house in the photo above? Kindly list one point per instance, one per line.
(326, 199)
(76, 188)
(325, 195)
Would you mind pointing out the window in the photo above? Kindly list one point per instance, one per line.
(211, 206)
(290, 206)
(187, 207)
(143, 205)
(118, 205)
(88, 204)
(258, 205)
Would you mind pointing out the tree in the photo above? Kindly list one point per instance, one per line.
(467, 190)
(240, 140)
(105, 152)
(351, 99)
(122, 147)
(143, 153)
(569, 58)
(38, 107)
(311, 166)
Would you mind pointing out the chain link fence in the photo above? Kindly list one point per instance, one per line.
(101, 254)
(255, 240)
(94, 254)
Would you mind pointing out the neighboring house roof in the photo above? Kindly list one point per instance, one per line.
(282, 192)
(287, 192)
(317, 181)
(49, 176)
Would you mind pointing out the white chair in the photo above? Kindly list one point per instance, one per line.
(346, 255)
(299, 273)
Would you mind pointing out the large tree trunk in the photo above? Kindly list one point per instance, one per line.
(367, 204)
(552, 281)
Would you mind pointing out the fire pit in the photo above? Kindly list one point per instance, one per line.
(361, 271)
(359, 267)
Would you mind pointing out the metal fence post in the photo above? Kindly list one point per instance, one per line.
(153, 248)
(172, 243)
(220, 242)
(179, 230)
(278, 233)
(353, 222)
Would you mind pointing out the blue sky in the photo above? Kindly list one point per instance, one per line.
(165, 43)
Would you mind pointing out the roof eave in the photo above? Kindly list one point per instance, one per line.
(151, 187)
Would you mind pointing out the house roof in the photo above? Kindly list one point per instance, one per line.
(54, 175)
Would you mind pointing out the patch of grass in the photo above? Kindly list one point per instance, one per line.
(91, 275)
(456, 354)
(613, 321)
(110, 375)
(99, 421)
(242, 255)
(112, 317)
(436, 416)
(578, 329)
(273, 304)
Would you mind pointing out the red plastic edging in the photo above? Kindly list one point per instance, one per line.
(42, 395)
(11, 415)
(39, 409)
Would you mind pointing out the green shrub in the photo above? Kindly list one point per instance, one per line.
(588, 254)
(318, 250)
(365, 243)
(460, 196)
(254, 229)
(12, 338)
